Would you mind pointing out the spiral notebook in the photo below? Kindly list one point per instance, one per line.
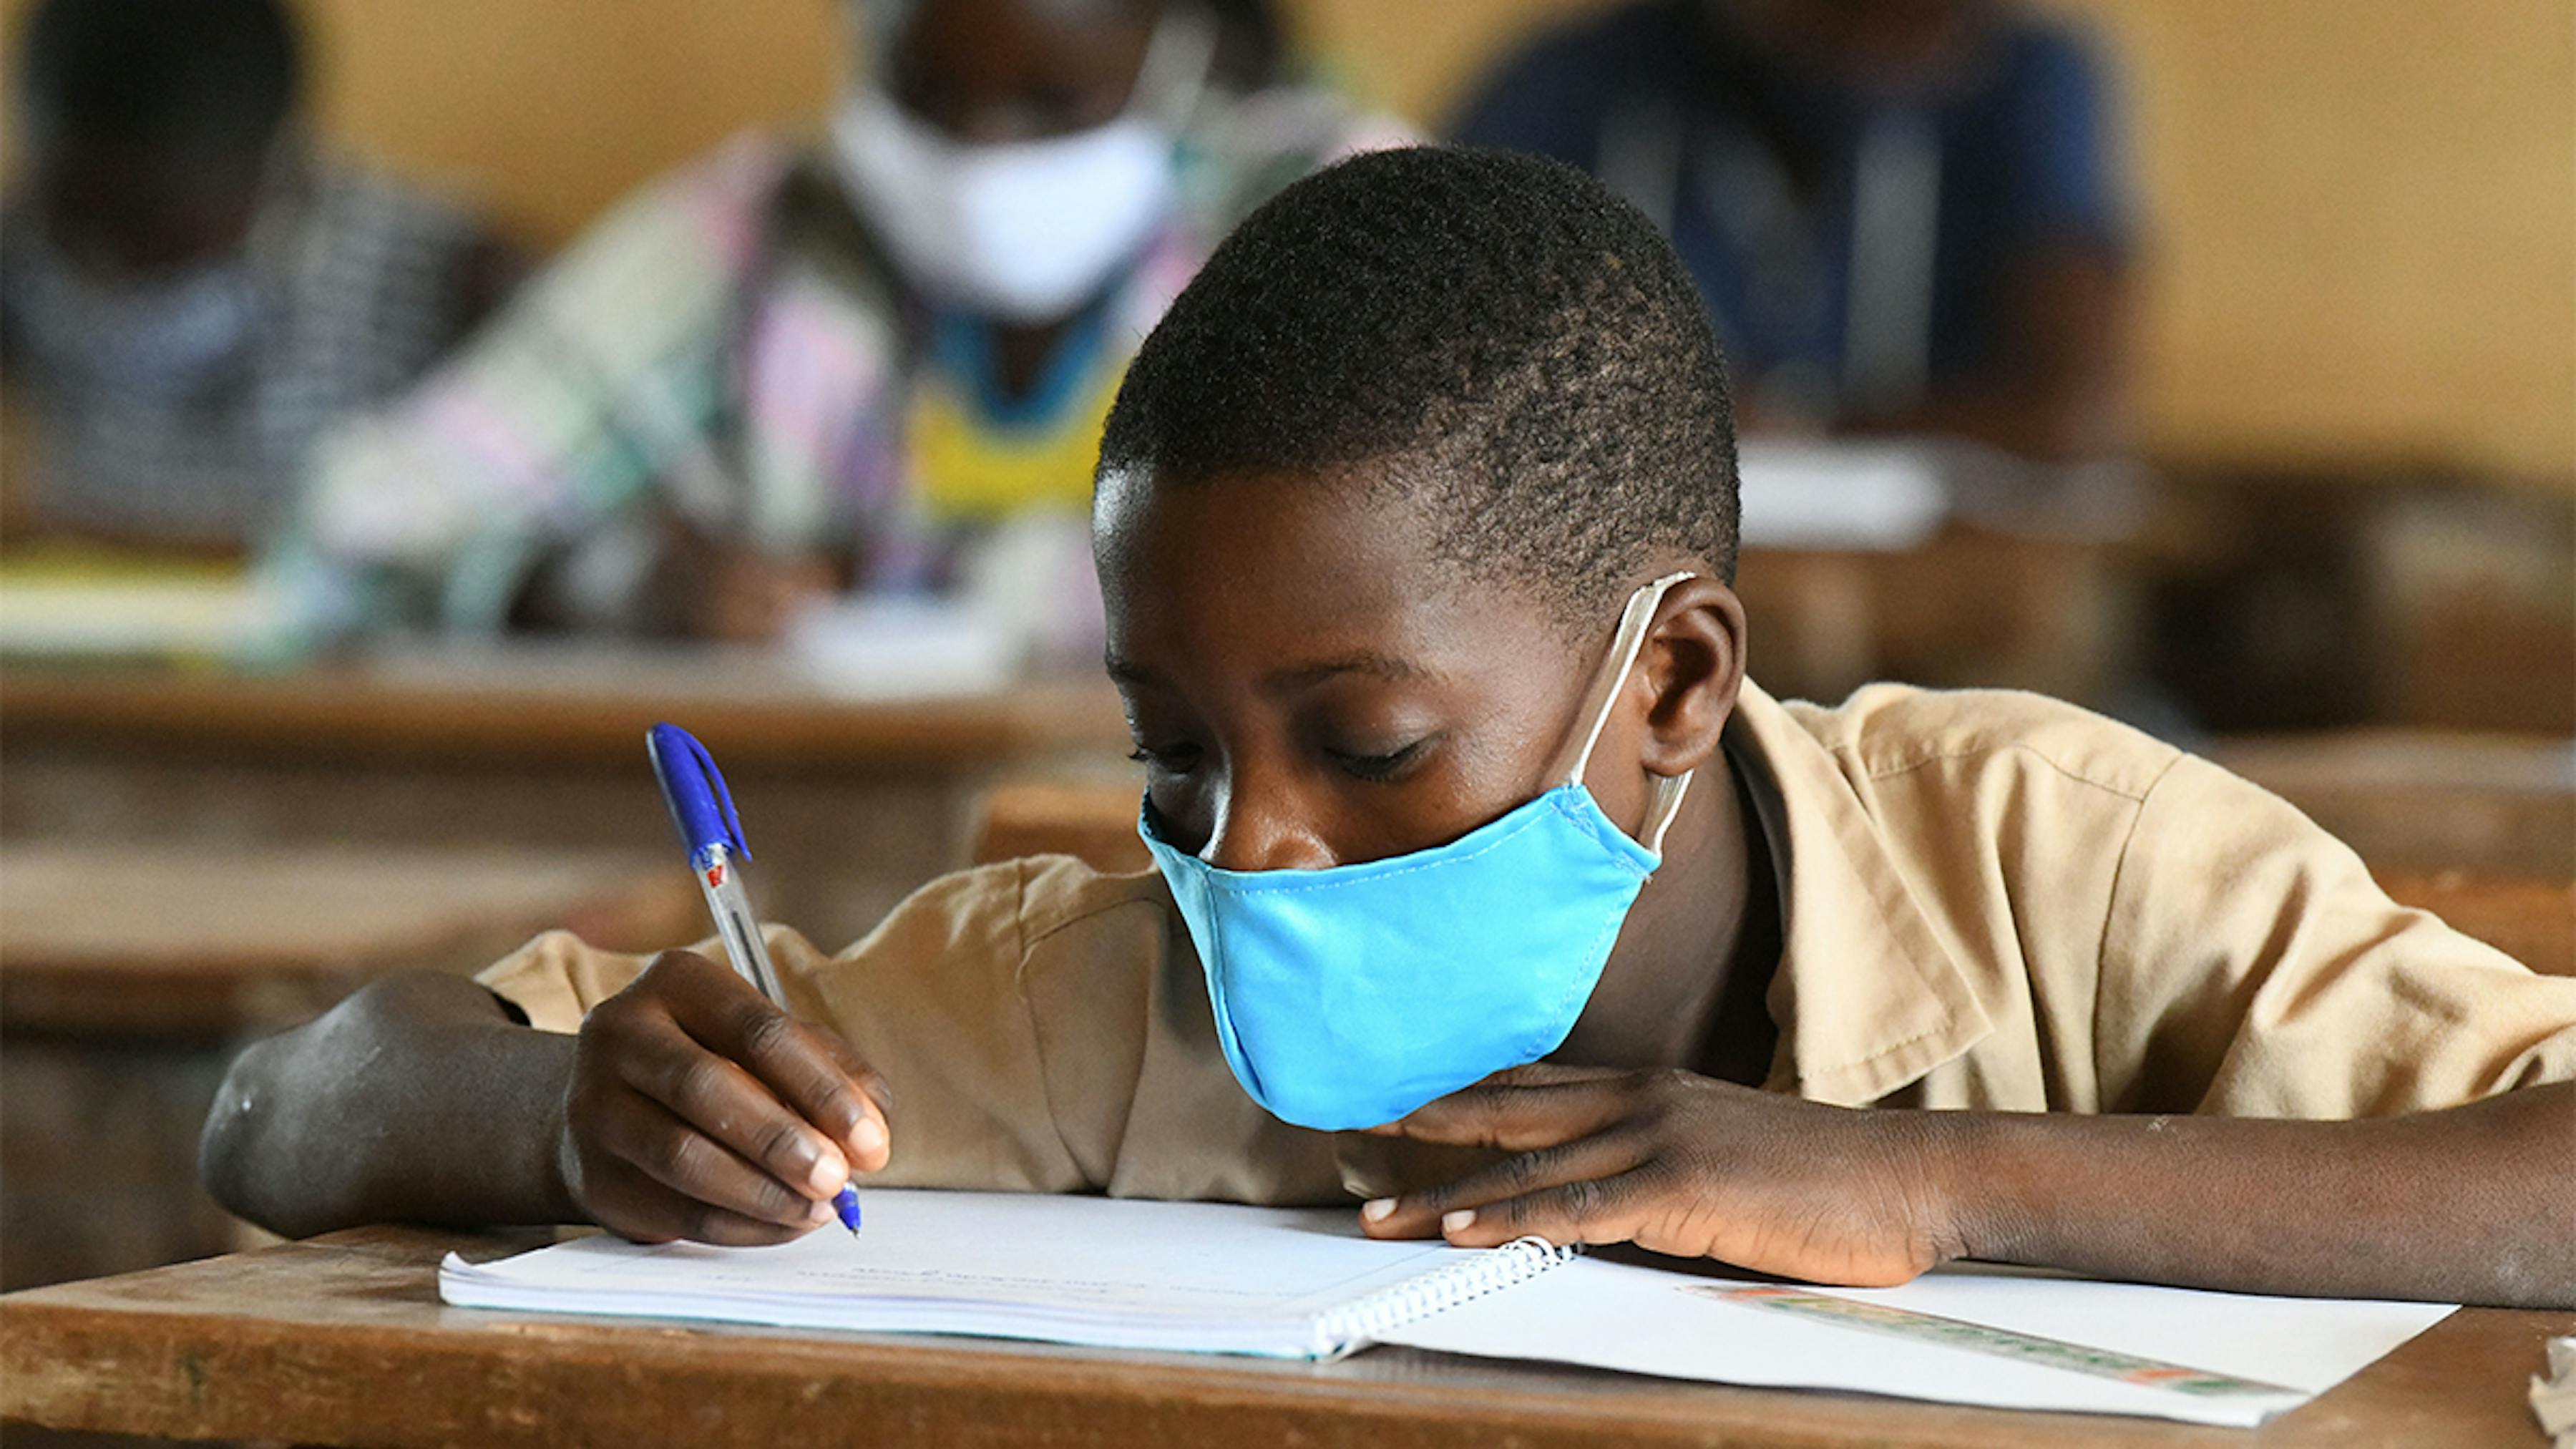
(1213, 1278)
(1112, 1273)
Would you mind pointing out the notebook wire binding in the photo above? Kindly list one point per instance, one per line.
(1357, 1324)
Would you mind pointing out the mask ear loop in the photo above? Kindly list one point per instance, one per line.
(1624, 648)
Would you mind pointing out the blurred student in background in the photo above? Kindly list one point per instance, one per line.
(192, 290)
(1903, 214)
(789, 370)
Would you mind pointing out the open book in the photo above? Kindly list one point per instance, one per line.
(1195, 1277)
(1212, 1278)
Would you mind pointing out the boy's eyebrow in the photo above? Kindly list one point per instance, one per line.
(1358, 661)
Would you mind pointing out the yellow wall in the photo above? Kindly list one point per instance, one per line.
(542, 112)
(2364, 227)
(2363, 212)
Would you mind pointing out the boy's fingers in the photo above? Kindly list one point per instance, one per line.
(663, 1147)
(1419, 1214)
(1515, 1118)
(725, 1102)
(869, 1140)
(1587, 1210)
(809, 1070)
(1552, 1074)
(647, 1211)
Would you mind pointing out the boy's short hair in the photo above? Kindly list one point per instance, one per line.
(1499, 334)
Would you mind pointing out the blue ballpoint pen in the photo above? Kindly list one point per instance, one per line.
(702, 811)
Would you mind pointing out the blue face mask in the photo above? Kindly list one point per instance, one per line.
(1349, 996)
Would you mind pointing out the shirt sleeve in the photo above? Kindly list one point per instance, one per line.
(1041, 1027)
(2252, 967)
(557, 978)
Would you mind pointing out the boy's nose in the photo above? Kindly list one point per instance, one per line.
(1251, 838)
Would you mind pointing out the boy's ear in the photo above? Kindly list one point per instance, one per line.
(1693, 661)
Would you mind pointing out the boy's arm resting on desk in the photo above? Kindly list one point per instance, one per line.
(681, 1104)
(993, 1029)
(2305, 1089)
(2463, 1205)
(416, 1099)
(2468, 1204)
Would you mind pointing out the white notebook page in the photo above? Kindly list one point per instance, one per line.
(1654, 1321)
(1218, 1278)
(1094, 1270)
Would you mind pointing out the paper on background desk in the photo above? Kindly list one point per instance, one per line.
(1656, 1321)
(1855, 497)
(72, 603)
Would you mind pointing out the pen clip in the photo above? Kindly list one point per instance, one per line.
(694, 790)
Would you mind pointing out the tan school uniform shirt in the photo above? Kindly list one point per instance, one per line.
(1991, 901)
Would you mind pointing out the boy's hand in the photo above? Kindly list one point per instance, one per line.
(750, 597)
(1681, 1164)
(698, 1110)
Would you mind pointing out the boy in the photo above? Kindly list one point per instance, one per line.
(1372, 499)
(196, 288)
(876, 360)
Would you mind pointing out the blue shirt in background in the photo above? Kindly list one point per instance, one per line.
(1855, 251)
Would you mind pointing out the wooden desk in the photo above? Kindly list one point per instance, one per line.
(849, 803)
(128, 975)
(2428, 800)
(177, 942)
(558, 704)
(2533, 921)
(1972, 606)
(342, 1341)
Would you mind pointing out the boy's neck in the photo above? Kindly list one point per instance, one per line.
(1685, 986)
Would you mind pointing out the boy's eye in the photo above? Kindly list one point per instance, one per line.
(1379, 767)
(1169, 759)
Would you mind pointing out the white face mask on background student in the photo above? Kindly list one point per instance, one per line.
(1024, 231)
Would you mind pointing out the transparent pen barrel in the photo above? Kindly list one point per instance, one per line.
(721, 883)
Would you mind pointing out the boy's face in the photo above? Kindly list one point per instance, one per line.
(130, 216)
(1309, 687)
(1016, 70)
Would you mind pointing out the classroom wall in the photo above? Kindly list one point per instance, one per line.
(2362, 254)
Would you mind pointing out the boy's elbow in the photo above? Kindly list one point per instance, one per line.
(225, 1147)
(239, 1153)
(281, 1144)
(228, 1151)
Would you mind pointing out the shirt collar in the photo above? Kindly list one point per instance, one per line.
(1867, 999)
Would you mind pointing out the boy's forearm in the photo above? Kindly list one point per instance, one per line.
(2467, 1205)
(416, 1100)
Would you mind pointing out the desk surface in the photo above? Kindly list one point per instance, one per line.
(210, 940)
(2427, 800)
(342, 1341)
(555, 704)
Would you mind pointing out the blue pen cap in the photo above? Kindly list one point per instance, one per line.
(701, 806)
